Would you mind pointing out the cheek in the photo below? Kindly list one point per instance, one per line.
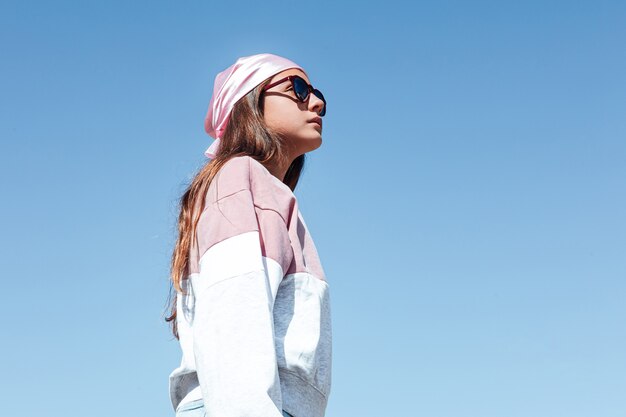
(281, 118)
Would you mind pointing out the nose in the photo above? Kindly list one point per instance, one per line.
(315, 103)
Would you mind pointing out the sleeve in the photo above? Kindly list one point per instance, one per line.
(234, 291)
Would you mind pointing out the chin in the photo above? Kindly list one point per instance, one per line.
(316, 143)
(308, 143)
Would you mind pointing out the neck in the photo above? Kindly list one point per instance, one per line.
(279, 171)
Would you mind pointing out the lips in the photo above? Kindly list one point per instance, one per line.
(317, 120)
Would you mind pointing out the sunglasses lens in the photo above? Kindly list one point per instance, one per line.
(301, 88)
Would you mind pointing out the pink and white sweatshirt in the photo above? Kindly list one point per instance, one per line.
(254, 325)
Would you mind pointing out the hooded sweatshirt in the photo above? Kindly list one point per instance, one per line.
(254, 317)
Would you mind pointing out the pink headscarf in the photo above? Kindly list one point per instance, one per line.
(235, 82)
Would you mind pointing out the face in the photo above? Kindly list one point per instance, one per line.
(290, 118)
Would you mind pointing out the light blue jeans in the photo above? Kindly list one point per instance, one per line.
(196, 409)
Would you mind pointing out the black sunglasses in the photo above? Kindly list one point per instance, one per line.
(302, 89)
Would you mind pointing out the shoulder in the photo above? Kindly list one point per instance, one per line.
(232, 177)
(246, 173)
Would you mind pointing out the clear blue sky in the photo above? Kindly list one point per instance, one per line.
(468, 202)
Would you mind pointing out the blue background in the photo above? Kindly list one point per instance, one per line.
(468, 202)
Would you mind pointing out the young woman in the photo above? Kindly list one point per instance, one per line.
(252, 307)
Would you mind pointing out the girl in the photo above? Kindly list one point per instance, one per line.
(252, 307)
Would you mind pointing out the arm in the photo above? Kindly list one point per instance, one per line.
(233, 323)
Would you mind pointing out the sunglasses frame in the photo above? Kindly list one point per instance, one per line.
(309, 86)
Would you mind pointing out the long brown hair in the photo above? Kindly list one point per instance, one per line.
(246, 134)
